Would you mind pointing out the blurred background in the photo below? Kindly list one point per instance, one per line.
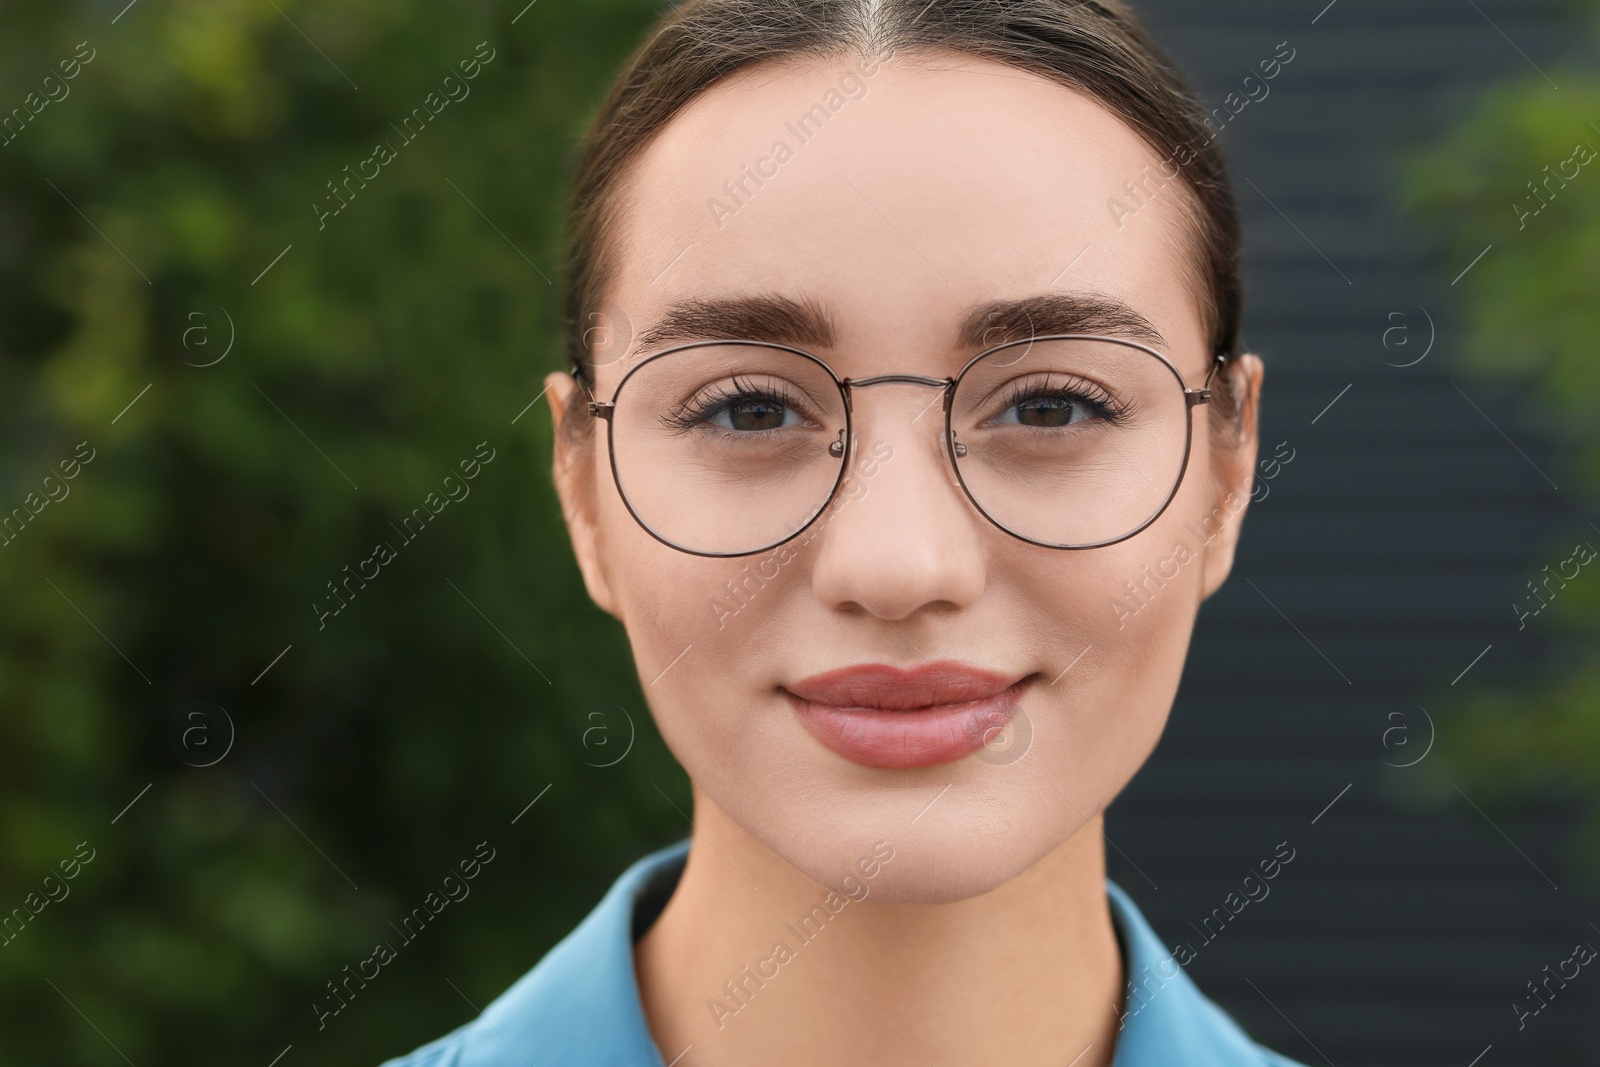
(226, 375)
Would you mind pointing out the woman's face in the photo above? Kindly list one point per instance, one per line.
(915, 195)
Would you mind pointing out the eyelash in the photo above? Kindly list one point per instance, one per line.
(1078, 390)
(698, 411)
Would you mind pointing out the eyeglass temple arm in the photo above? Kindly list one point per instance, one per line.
(603, 409)
(1203, 394)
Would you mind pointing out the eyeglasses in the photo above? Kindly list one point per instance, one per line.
(1072, 441)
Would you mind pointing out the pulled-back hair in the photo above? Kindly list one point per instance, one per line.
(1100, 49)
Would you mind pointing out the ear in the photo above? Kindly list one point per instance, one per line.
(1233, 465)
(575, 469)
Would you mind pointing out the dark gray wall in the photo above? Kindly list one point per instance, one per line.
(1389, 549)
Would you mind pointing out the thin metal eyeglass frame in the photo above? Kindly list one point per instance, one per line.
(605, 409)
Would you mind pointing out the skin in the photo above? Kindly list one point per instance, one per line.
(989, 181)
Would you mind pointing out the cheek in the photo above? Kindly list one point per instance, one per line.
(1150, 587)
(700, 632)
(1117, 621)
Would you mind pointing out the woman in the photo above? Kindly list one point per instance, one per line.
(889, 324)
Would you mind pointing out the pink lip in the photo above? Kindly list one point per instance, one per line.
(883, 716)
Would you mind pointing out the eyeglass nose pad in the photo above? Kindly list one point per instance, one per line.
(836, 449)
(956, 446)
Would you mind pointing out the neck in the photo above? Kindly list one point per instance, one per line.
(1027, 974)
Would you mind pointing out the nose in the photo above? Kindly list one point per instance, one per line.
(907, 540)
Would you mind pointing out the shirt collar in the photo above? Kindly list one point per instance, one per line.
(1165, 1017)
(580, 1005)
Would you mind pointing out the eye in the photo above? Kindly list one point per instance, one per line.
(1048, 411)
(753, 413)
(740, 408)
(1052, 408)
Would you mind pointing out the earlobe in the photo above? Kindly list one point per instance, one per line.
(1233, 469)
(574, 470)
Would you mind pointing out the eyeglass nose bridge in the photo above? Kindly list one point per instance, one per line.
(848, 385)
(908, 379)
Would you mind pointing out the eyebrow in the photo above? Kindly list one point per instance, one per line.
(804, 324)
(771, 318)
(999, 321)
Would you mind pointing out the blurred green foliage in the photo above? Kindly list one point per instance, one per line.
(138, 211)
(1505, 176)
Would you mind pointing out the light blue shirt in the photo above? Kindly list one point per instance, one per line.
(579, 1006)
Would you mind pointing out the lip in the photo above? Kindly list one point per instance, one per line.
(879, 715)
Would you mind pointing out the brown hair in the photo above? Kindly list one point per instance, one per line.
(1099, 48)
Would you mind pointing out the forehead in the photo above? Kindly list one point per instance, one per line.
(898, 196)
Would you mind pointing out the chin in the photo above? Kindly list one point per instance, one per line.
(992, 825)
(941, 864)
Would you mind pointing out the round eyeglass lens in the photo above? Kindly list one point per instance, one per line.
(728, 448)
(1070, 443)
